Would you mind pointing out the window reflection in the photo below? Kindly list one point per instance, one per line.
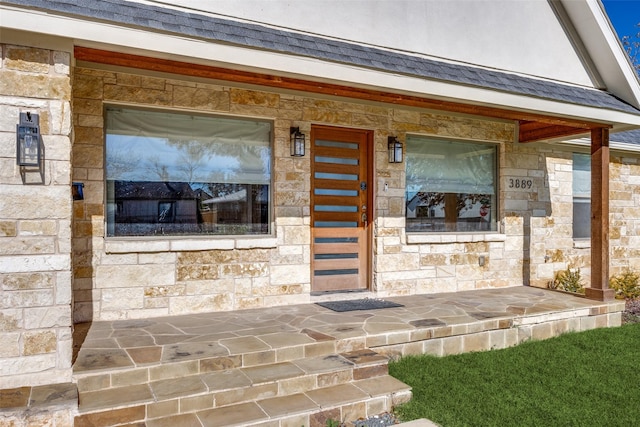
(178, 174)
(450, 186)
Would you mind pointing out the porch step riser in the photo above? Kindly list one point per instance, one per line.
(173, 367)
(312, 408)
(221, 388)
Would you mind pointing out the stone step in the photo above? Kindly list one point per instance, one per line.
(97, 365)
(223, 387)
(343, 402)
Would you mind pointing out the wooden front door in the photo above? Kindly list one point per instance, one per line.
(340, 208)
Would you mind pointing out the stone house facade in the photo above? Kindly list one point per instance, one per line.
(59, 265)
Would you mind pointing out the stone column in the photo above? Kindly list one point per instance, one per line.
(35, 219)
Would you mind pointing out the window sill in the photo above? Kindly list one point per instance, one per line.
(582, 243)
(455, 238)
(120, 246)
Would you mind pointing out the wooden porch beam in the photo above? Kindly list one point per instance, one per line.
(289, 83)
(600, 216)
(536, 131)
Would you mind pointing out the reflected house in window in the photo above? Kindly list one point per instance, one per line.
(235, 206)
(155, 207)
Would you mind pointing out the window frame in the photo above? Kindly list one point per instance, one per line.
(443, 236)
(178, 242)
(582, 199)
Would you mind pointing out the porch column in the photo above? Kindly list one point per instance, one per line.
(600, 216)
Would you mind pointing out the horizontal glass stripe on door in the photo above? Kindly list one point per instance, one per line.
(336, 160)
(335, 256)
(335, 192)
(335, 272)
(335, 240)
(343, 224)
(340, 176)
(334, 208)
(336, 144)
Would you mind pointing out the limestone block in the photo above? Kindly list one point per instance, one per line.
(297, 235)
(35, 298)
(249, 97)
(370, 121)
(116, 299)
(35, 85)
(211, 287)
(26, 281)
(87, 86)
(279, 290)
(63, 288)
(139, 276)
(399, 262)
(156, 258)
(200, 304)
(27, 364)
(38, 228)
(28, 59)
(406, 116)
(48, 206)
(140, 95)
(29, 246)
(47, 317)
(164, 291)
(111, 259)
(61, 62)
(11, 320)
(10, 344)
(290, 274)
(39, 342)
(199, 98)
(197, 272)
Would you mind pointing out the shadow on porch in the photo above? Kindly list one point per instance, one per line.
(301, 364)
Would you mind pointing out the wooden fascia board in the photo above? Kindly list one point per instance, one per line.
(289, 83)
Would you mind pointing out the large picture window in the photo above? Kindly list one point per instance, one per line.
(581, 196)
(180, 174)
(451, 186)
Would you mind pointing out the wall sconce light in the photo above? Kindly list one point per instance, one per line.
(395, 150)
(28, 150)
(297, 142)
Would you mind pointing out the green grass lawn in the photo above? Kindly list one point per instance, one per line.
(579, 379)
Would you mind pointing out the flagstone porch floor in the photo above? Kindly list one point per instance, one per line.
(146, 358)
(268, 333)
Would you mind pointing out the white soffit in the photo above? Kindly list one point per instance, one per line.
(604, 48)
(127, 40)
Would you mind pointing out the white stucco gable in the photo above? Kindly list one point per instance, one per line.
(519, 36)
(570, 41)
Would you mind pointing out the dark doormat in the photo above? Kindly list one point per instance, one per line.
(358, 304)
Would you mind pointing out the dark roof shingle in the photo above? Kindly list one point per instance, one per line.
(155, 18)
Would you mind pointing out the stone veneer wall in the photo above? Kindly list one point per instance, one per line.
(552, 247)
(124, 279)
(35, 221)
(118, 279)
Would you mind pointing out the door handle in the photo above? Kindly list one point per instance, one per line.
(364, 218)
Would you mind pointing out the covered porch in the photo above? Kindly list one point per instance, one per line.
(300, 364)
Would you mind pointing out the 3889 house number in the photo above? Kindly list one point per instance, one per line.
(520, 183)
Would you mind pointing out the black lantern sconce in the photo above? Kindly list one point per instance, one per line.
(28, 149)
(297, 142)
(395, 150)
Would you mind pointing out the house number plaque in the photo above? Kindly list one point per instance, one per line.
(520, 183)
